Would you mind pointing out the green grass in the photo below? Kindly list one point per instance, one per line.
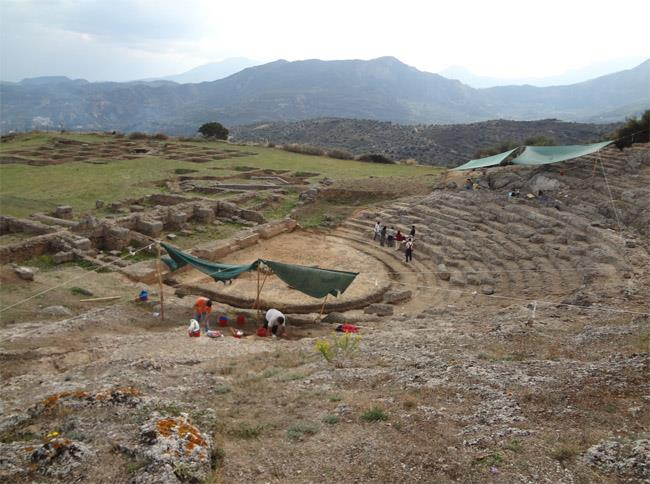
(374, 414)
(298, 430)
(331, 419)
(246, 431)
(25, 189)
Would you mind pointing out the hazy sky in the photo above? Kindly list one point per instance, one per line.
(131, 39)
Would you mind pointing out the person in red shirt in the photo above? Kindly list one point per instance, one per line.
(202, 310)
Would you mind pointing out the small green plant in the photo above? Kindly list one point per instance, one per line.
(78, 291)
(610, 408)
(184, 472)
(331, 419)
(490, 460)
(514, 445)
(374, 414)
(338, 348)
(246, 431)
(297, 431)
(564, 453)
(335, 398)
(221, 389)
(217, 457)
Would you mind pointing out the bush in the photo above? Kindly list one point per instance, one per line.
(375, 414)
(138, 135)
(295, 432)
(160, 136)
(304, 149)
(331, 419)
(339, 348)
(375, 158)
(634, 131)
(340, 154)
(214, 130)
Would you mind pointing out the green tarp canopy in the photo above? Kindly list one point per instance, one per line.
(483, 162)
(543, 155)
(312, 281)
(218, 272)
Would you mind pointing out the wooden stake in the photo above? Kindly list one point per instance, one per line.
(98, 299)
(322, 308)
(160, 285)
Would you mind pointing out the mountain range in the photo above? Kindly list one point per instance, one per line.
(211, 71)
(382, 89)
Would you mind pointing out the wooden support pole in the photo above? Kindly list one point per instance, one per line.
(322, 308)
(160, 285)
(100, 299)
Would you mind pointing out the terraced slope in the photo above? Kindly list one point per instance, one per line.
(480, 247)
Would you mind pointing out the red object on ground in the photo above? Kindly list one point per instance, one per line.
(349, 328)
(261, 332)
(223, 321)
(194, 334)
(241, 320)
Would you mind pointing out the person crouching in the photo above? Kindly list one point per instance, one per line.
(275, 322)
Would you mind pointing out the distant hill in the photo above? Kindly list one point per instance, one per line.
(211, 71)
(571, 76)
(443, 145)
(382, 89)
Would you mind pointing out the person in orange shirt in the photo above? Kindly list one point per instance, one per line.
(202, 310)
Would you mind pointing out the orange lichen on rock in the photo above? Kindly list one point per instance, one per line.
(184, 430)
(54, 399)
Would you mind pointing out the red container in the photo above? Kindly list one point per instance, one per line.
(241, 320)
(223, 321)
(261, 332)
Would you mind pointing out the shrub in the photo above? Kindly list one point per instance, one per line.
(375, 158)
(331, 419)
(160, 136)
(246, 431)
(214, 130)
(296, 431)
(138, 135)
(339, 348)
(374, 414)
(340, 154)
(304, 149)
(634, 131)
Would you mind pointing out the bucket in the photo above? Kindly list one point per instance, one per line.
(223, 321)
(262, 332)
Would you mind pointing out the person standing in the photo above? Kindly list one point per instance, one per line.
(390, 237)
(409, 250)
(382, 236)
(202, 310)
(275, 321)
(399, 239)
(377, 231)
(412, 234)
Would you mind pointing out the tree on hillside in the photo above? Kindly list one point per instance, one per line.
(214, 130)
(634, 131)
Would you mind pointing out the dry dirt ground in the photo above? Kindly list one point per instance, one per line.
(458, 385)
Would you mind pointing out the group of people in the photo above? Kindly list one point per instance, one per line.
(274, 321)
(389, 237)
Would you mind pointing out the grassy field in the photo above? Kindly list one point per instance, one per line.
(25, 189)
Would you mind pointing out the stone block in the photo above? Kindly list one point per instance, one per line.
(398, 296)
(204, 214)
(82, 243)
(150, 227)
(99, 204)
(144, 271)
(136, 208)
(61, 257)
(247, 240)
(25, 273)
(443, 272)
(215, 250)
(252, 216)
(63, 211)
(227, 209)
(379, 309)
(458, 279)
(177, 218)
(272, 229)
